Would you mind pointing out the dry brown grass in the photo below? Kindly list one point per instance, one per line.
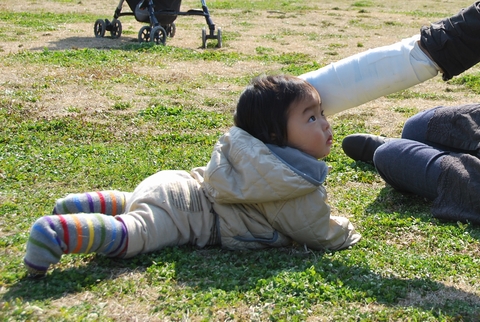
(334, 31)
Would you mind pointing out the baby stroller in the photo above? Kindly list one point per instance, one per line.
(160, 15)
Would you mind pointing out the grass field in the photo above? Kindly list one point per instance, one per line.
(79, 113)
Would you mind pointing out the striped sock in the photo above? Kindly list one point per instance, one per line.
(52, 236)
(109, 202)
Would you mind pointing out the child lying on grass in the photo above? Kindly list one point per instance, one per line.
(263, 184)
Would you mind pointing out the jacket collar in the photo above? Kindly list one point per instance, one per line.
(309, 168)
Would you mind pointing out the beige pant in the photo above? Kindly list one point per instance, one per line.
(167, 209)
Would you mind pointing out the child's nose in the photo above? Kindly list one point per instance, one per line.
(325, 124)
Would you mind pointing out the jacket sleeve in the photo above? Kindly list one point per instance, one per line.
(307, 220)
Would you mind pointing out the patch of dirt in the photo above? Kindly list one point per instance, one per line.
(326, 32)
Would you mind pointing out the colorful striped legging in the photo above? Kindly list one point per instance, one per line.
(86, 224)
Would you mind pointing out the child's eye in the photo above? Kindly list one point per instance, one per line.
(322, 113)
(312, 118)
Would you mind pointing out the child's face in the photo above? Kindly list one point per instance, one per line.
(307, 128)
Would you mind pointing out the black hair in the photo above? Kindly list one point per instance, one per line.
(262, 109)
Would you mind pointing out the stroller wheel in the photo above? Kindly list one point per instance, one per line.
(219, 38)
(99, 28)
(158, 35)
(144, 34)
(116, 30)
(172, 30)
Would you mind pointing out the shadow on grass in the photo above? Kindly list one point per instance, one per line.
(89, 42)
(129, 42)
(404, 206)
(277, 276)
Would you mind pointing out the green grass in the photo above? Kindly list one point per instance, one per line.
(43, 21)
(42, 159)
(471, 81)
(407, 267)
(28, 24)
(286, 5)
(130, 54)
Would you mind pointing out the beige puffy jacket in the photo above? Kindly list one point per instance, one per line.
(268, 196)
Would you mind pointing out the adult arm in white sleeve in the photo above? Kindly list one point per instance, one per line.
(374, 73)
